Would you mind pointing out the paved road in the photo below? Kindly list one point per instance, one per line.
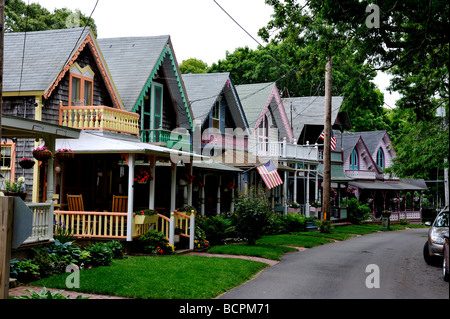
(338, 270)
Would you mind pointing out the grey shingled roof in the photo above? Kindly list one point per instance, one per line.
(131, 61)
(204, 89)
(371, 140)
(309, 110)
(253, 99)
(46, 53)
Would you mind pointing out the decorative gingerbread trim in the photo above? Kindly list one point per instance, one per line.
(100, 65)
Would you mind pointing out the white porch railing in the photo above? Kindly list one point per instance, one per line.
(42, 228)
(285, 150)
(408, 215)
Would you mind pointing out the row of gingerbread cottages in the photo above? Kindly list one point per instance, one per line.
(125, 100)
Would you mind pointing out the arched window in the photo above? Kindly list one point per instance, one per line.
(354, 160)
(380, 158)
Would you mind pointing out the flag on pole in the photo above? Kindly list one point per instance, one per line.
(270, 175)
(333, 140)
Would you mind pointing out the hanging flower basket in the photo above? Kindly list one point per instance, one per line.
(26, 163)
(143, 176)
(42, 154)
(64, 154)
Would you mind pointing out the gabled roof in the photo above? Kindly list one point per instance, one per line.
(46, 57)
(134, 63)
(372, 139)
(256, 100)
(309, 110)
(203, 91)
(348, 141)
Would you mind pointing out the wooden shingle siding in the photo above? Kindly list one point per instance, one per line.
(16, 106)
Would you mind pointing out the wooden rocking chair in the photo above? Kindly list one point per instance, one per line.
(75, 203)
(120, 204)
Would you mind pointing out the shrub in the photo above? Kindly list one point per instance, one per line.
(116, 248)
(24, 270)
(155, 242)
(216, 228)
(252, 215)
(65, 254)
(99, 254)
(357, 212)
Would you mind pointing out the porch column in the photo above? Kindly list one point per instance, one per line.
(151, 203)
(50, 170)
(189, 185)
(316, 188)
(202, 208)
(285, 192)
(191, 230)
(232, 195)
(294, 197)
(307, 192)
(173, 187)
(218, 194)
(130, 223)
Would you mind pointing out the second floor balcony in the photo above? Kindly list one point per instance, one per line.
(285, 150)
(171, 139)
(102, 118)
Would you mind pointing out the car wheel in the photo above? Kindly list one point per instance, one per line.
(426, 254)
(444, 270)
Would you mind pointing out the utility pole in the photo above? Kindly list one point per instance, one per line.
(326, 188)
(2, 40)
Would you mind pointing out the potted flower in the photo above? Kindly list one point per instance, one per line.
(64, 154)
(315, 207)
(145, 216)
(42, 153)
(26, 163)
(15, 189)
(187, 209)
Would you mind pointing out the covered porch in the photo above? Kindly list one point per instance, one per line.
(113, 179)
(402, 198)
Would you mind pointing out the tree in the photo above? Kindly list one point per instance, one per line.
(193, 66)
(411, 41)
(421, 146)
(20, 17)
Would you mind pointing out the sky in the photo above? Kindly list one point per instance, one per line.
(198, 28)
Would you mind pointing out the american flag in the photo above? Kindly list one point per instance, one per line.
(270, 175)
(333, 140)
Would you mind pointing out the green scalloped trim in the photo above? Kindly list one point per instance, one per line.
(148, 84)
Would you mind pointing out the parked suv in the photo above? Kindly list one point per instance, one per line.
(434, 246)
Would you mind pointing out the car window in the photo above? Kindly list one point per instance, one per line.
(441, 220)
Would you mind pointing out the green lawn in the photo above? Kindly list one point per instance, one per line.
(259, 250)
(162, 277)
